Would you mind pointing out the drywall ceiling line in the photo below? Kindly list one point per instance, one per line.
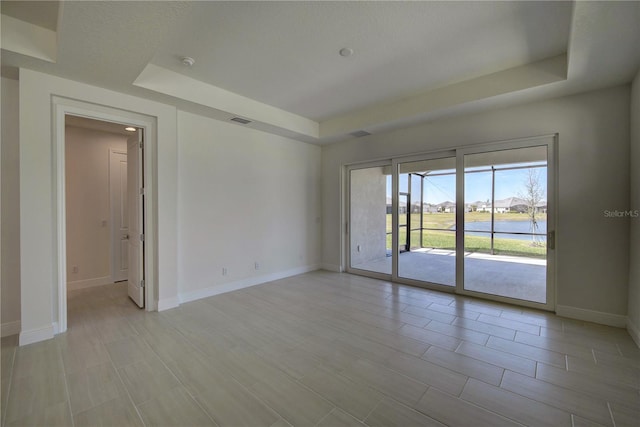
(514, 79)
(28, 39)
(170, 83)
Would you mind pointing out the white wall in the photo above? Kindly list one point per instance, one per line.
(39, 292)
(244, 197)
(10, 209)
(633, 324)
(368, 223)
(88, 204)
(592, 251)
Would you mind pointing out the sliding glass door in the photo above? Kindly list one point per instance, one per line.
(506, 219)
(476, 220)
(426, 220)
(369, 219)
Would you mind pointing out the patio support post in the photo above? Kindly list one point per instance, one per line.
(493, 203)
(422, 177)
(409, 213)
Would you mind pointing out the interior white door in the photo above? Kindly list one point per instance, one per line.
(119, 215)
(135, 191)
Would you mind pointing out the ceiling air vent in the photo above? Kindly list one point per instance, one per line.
(359, 133)
(240, 120)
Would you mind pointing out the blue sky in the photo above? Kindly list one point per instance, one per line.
(509, 183)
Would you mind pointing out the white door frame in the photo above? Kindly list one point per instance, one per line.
(66, 106)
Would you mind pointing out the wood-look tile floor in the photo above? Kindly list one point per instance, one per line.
(321, 349)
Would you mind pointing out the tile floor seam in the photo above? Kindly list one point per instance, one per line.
(186, 389)
(502, 377)
(381, 391)
(254, 395)
(291, 423)
(619, 350)
(462, 373)
(555, 405)
(492, 411)
(196, 348)
(364, 420)
(13, 360)
(300, 383)
(135, 407)
(259, 399)
(326, 415)
(499, 415)
(66, 384)
(291, 378)
(613, 419)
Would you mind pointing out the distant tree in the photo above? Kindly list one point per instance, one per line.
(533, 194)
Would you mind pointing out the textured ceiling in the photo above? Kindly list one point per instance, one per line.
(286, 54)
(277, 63)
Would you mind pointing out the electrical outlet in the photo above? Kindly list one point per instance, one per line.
(257, 265)
(74, 269)
(358, 248)
(224, 271)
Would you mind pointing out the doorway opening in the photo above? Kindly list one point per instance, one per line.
(145, 284)
(104, 201)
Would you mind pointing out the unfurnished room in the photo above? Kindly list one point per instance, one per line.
(320, 213)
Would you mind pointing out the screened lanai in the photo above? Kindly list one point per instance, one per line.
(504, 218)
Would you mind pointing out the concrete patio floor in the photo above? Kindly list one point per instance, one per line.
(509, 276)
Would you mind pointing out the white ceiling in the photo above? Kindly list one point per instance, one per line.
(277, 63)
(286, 54)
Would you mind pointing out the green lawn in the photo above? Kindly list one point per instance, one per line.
(446, 239)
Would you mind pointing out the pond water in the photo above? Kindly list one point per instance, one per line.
(507, 226)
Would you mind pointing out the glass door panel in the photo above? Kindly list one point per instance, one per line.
(426, 220)
(370, 219)
(505, 223)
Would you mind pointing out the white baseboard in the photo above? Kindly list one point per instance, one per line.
(244, 283)
(88, 283)
(10, 328)
(332, 267)
(168, 303)
(609, 319)
(36, 335)
(634, 331)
